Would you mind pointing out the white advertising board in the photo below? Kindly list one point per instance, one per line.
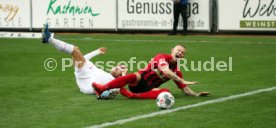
(20, 35)
(15, 14)
(158, 15)
(248, 15)
(75, 14)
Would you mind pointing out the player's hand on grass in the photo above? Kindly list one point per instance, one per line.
(102, 50)
(203, 93)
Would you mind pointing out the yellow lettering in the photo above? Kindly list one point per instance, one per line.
(11, 10)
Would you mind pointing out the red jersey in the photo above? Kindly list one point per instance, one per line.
(153, 77)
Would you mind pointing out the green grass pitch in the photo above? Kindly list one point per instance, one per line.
(30, 96)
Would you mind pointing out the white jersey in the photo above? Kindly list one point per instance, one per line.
(90, 73)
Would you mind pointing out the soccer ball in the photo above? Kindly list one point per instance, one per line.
(165, 100)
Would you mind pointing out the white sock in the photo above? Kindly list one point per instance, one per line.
(92, 54)
(61, 46)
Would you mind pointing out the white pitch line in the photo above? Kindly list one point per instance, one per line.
(122, 121)
(172, 41)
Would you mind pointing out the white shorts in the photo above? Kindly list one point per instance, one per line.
(88, 74)
(85, 85)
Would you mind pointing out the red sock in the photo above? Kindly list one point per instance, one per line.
(145, 95)
(121, 81)
(150, 94)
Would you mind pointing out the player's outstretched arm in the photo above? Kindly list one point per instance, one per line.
(176, 77)
(189, 91)
(180, 81)
(99, 51)
(170, 74)
(189, 82)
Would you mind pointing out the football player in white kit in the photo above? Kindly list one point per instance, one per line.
(85, 71)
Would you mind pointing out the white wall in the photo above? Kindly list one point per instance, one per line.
(136, 14)
(247, 15)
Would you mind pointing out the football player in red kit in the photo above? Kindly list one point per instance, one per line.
(145, 83)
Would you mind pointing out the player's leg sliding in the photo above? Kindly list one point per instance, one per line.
(60, 45)
(116, 83)
(153, 94)
(126, 93)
